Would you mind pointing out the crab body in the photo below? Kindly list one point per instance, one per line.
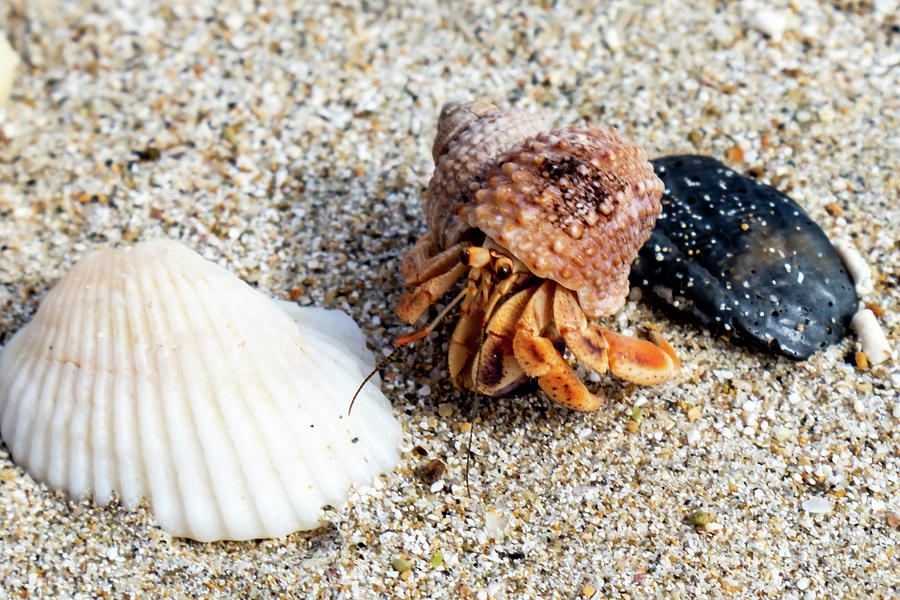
(544, 226)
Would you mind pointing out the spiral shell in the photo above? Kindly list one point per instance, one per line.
(574, 205)
(154, 373)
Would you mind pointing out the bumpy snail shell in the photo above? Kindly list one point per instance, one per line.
(471, 137)
(574, 205)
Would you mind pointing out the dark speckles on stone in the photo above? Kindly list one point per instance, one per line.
(740, 257)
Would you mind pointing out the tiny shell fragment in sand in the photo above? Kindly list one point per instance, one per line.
(8, 61)
(871, 336)
(817, 505)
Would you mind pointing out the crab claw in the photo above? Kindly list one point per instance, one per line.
(539, 358)
(640, 361)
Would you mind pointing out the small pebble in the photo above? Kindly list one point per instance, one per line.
(817, 505)
(693, 436)
(892, 519)
(770, 23)
(431, 471)
(834, 209)
(401, 564)
(781, 433)
(8, 61)
(700, 518)
(612, 39)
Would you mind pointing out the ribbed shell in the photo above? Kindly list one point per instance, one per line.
(574, 205)
(154, 373)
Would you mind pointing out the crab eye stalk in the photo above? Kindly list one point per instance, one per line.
(504, 269)
(464, 256)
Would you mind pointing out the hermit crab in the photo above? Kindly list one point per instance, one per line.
(544, 226)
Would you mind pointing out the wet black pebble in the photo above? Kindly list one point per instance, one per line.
(740, 257)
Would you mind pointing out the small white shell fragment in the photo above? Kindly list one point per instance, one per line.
(693, 436)
(871, 337)
(857, 267)
(155, 374)
(781, 433)
(770, 22)
(8, 61)
(817, 505)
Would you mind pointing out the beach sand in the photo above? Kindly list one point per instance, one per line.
(291, 143)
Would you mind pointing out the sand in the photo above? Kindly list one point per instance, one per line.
(290, 142)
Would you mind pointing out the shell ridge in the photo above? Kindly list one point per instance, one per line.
(331, 424)
(323, 418)
(44, 444)
(283, 397)
(24, 395)
(191, 429)
(253, 450)
(99, 422)
(340, 351)
(15, 376)
(129, 421)
(160, 444)
(83, 370)
(372, 404)
(28, 396)
(280, 394)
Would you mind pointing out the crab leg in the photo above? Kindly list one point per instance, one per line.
(415, 301)
(420, 254)
(635, 360)
(585, 341)
(539, 357)
(494, 368)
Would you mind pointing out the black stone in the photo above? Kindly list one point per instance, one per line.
(740, 257)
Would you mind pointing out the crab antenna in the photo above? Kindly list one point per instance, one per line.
(411, 337)
(476, 395)
(372, 374)
(469, 452)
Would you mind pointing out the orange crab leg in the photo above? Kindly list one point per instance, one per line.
(640, 361)
(423, 251)
(416, 301)
(539, 357)
(495, 370)
(631, 359)
(586, 341)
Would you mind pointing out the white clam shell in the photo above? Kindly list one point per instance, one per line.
(154, 373)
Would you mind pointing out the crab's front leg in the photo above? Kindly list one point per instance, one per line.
(539, 357)
(494, 370)
(635, 360)
(432, 277)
